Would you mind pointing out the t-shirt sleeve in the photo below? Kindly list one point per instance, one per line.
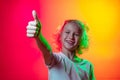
(92, 76)
(54, 59)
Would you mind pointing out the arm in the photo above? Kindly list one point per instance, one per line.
(45, 48)
(33, 30)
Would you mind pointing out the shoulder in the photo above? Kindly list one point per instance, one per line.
(83, 62)
(59, 54)
(87, 63)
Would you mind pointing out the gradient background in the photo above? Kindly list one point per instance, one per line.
(20, 59)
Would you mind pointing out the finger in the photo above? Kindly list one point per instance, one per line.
(35, 15)
(32, 23)
(30, 35)
(31, 27)
(31, 31)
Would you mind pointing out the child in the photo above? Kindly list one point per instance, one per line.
(65, 65)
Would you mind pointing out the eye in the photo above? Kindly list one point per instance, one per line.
(77, 34)
(67, 32)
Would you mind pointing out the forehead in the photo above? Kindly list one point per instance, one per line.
(72, 27)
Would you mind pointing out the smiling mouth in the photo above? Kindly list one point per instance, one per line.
(71, 42)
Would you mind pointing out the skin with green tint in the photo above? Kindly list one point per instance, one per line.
(66, 64)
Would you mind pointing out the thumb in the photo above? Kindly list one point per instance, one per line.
(34, 14)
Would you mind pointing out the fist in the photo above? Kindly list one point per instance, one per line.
(33, 27)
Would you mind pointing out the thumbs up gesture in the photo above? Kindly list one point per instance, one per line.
(33, 27)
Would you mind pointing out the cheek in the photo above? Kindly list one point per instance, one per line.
(62, 39)
(77, 39)
(63, 36)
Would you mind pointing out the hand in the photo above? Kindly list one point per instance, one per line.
(33, 27)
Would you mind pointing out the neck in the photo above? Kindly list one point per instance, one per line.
(69, 54)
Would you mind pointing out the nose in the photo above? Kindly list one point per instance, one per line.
(71, 36)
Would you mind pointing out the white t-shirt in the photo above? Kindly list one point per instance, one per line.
(62, 68)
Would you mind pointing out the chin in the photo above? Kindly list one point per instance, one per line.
(70, 48)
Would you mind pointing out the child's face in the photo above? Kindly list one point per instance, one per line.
(70, 36)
